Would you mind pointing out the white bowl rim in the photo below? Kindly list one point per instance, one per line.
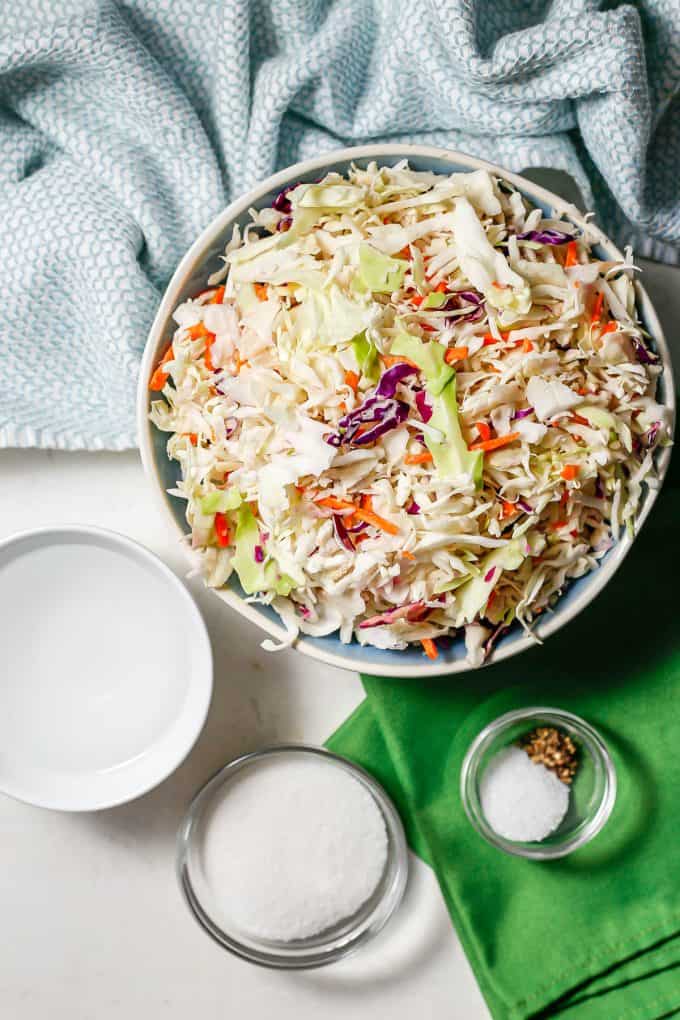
(197, 713)
(551, 622)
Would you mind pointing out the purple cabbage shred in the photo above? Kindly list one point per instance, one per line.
(650, 436)
(546, 236)
(389, 380)
(644, 356)
(282, 203)
(381, 407)
(414, 612)
(259, 554)
(424, 408)
(460, 299)
(341, 533)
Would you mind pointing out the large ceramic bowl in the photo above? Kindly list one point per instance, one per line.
(203, 259)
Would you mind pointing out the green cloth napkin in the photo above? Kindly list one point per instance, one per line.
(596, 935)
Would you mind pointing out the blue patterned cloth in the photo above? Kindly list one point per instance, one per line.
(125, 127)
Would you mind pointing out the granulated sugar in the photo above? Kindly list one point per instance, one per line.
(522, 800)
(293, 847)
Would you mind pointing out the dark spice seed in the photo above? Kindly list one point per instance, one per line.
(548, 746)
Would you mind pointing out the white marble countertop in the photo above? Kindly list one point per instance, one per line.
(94, 926)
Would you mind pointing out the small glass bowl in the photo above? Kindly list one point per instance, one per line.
(335, 942)
(592, 793)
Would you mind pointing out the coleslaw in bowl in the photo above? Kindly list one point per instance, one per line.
(412, 408)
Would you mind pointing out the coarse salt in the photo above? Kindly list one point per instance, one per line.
(522, 800)
(292, 848)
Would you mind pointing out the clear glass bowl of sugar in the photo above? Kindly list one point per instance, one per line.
(292, 857)
(523, 808)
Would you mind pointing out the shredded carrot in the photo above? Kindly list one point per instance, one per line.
(193, 438)
(352, 380)
(559, 524)
(360, 538)
(222, 530)
(578, 419)
(582, 391)
(572, 255)
(495, 444)
(159, 377)
(405, 252)
(484, 431)
(216, 295)
(418, 458)
(427, 327)
(597, 309)
(261, 290)
(569, 472)
(333, 503)
(489, 338)
(611, 327)
(564, 498)
(417, 300)
(527, 346)
(455, 354)
(508, 508)
(407, 555)
(440, 288)
(367, 502)
(342, 406)
(197, 331)
(389, 360)
(377, 522)
(430, 648)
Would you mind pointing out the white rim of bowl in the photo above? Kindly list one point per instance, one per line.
(203, 705)
(277, 182)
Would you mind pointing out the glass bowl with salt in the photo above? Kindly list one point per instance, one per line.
(538, 782)
(292, 857)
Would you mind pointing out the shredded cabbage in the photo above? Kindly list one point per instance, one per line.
(415, 412)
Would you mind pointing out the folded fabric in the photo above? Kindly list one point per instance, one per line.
(125, 127)
(595, 935)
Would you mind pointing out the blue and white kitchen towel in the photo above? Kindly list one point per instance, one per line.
(125, 127)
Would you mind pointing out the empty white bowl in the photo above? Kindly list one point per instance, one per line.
(190, 278)
(107, 669)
